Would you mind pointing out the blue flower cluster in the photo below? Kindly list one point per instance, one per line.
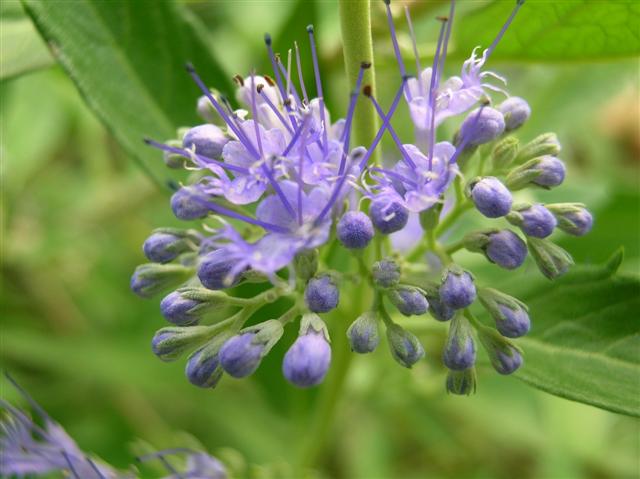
(279, 187)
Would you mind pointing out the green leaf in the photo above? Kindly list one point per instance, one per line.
(554, 31)
(21, 48)
(127, 59)
(585, 340)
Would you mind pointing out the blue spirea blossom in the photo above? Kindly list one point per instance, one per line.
(287, 210)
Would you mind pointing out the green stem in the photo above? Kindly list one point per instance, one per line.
(452, 217)
(452, 248)
(357, 47)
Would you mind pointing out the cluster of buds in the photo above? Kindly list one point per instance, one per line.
(286, 189)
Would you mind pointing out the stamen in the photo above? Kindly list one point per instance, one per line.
(187, 154)
(394, 39)
(393, 174)
(502, 31)
(300, 75)
(452, 9)
(260, 89)
(291, 88)
(276, 187)
(415, 50)
(238, 132)
(289, 71)
(276, 72)
(254, 113)
(95, 468)
(291, 144)
(432, 93)
(464, 141)
(238, 79)
(65, 454)
(405, 155)
(347, 124)
(385, 125)
(301, 170)
(316, 71)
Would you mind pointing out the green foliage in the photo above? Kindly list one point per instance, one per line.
(21, 48)
(127, 60)
(547, 31)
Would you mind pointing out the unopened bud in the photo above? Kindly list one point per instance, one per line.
(462, 383)
(306, 264)
(545, 172)
(240, 355)
(386, 273)
(502, 247)
(542, 145)
(573, 218)
(458, 289)
(534, 220)
(511, 315)
(150, 279)
(460, 351)
(170, 343)
(552, 260)
(409, 300)
(363, 333)
(405, 346)
(505, 356)
(505, 152)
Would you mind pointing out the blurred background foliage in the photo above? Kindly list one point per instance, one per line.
(76, 208)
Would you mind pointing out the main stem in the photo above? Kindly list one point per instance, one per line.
(355, 24)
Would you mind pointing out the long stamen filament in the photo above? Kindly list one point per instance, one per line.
(300, 75)
(254, 113)
(316, 71)
(394, 39)
(502, 31)
(415, 50)
(347, 124)
(431, 110)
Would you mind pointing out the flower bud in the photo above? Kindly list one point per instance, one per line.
(386, 273)
(490, 197)
(306, 264)
(207, 140)
(203, 366)
(216, 270)
(307, 361)
(544, 171)
(409, 300)
(457, 290)
(187, 305)
(573, 218)
(502, 247)
(170, 343)
(534, 220)
(206, 110)
(388, 216)
(439, 310)
(545, 144)
(511, 316)
(322, 294)
(355, 230)
(516, 112)
(429, 218)
(240, 355)
(189, 203)
(405, 346)
(478, 129)
(164, 247)
(461, 383)
(505, 152)
(505, 357)
(172, 160)
(150, 279)
(552, 260)
(363, 333)
(460, 351)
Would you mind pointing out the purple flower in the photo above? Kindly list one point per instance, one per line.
(387, 214)
(506, 249)
(516, 112)
(307, 361)
(491, 197)
(321, 294)
(355, 230)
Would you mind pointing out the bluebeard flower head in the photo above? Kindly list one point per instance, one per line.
(29, 449)
(546, 144)
(206, 140)
(482, 126)
(516, 112)
(404, 345)
(386, 273)
(203, 366)
(218, 270)
(363, 333)
(409, 300)
(240, 355)
(355, 230)
(534, 220)
(511, 315)
(460, 350)
(307, 361)
(505, 152)
(150, 279)
(462, 383)
(164, 247)
(388, 215)
(490, 197)
(545, 171)
(172, 342)
(505, 357)
(457, 289)
(321, 294)
(551, 259)
(188, 203)
(573, 218)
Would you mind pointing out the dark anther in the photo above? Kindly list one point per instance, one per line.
(267, 39)
(269, 80)
(239, 80)
(365, 65)
(366, 90)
